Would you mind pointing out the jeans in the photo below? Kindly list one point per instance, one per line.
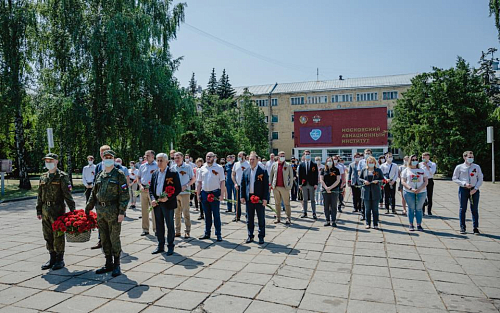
(415, 203)
(164, 216)
(211, 208)
(319, 198)
(261, 215)
(331, 205)
(464, 197)
(231, 193)
(371, 207)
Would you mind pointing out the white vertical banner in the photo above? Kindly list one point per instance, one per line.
(50, 138)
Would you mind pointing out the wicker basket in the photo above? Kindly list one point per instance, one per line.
(78, 237)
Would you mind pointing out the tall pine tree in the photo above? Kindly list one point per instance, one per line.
(225, 90)
(212, 84)
(192, 85)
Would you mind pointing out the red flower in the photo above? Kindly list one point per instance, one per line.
(471, 174)
(211, 197)
(303, 181)
(170, 190)
(254, 199)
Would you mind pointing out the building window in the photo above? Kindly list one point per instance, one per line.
(274, 102)
(390, 113)
(274, 119)
(293, 117)
(367, 96)
(275, 151)
(293, 135)
(342, 98)
(275, 135)
(266, 119)
(317, 99)
(296, 100)
(389, 95)
(261, 102)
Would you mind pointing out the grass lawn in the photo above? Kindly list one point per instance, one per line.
(12, 191)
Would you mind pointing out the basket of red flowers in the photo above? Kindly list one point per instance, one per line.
(76, 225)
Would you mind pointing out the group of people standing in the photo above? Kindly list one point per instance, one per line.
(167, 184)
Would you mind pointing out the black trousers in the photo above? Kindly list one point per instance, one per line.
(356, 198)
(390, 196)
(164, 216)
(88, 192)
(295, 189)
(258, 208)
(430, 191)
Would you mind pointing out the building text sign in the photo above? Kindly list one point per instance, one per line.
(341, 127)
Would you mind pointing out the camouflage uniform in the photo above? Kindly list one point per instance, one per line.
(54, 189)
(110, 196)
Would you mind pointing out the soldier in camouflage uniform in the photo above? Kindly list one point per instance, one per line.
(54, 189)
(110, 197)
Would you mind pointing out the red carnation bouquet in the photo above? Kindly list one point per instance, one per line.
(75, 222)
(167, 193)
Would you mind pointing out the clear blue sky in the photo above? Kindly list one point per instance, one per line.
(351, 38)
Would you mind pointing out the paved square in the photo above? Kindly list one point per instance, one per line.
(303, 268)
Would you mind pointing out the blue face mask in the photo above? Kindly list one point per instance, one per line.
(414, 163)
(308, 157)
(108, 162)
(470, 160)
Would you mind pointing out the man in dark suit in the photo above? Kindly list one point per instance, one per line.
(164, 207)
(308, 182)
(255, 182)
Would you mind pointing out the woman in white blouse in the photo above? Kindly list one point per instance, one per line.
(414, 182)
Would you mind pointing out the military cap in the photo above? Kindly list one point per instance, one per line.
(109, 152)
(51, 156)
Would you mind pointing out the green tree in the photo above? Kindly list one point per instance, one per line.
(224, 88)
(192, 85)
(252, 130)
(494, 7)
(445, 112)
(212, 84)
(17, 23)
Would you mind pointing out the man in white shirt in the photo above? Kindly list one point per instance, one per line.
(211, 187)
(187, 178)
(469, 178)
(362, 162)
(429, 168)
(238, 169)
(88, 175)
(269, 164)
(133, 172)
(390, 172)
(146, 171)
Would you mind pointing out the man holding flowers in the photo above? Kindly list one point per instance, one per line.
(255, 193)
(54, 190)
(165, 186)
(110, 196)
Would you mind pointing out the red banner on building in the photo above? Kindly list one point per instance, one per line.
(341, 127)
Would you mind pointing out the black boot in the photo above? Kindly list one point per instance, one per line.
(116, 267)
(108, 267)
(51, 262)
(59, 261)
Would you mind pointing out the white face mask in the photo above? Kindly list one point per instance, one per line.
(357, 159)
(49, 166)
(329, 164)
(382, 160)
(186, 160)
(367, 155)
(239, 159)
(91, 162)
(389, 158)
(335, 161)
(371, 165)
(282, 159)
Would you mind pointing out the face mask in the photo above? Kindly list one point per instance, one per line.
(414, 163)
(405, 162)
(108, 162)
(215, 159)
(426, 160)
(91, 162)
(329, 164)
(118, 163)
(140, 159)
(371, 165)
(470, 160)
(308, 157)
(389, 159)
(382, 160)
(186, 160)
(367, 155)
(239, 159)
(50, 166)
(282, 159)
(335, 161)
(357, 159)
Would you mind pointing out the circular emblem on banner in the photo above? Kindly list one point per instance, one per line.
(315, 134)
(316, 119)
(303, 119)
